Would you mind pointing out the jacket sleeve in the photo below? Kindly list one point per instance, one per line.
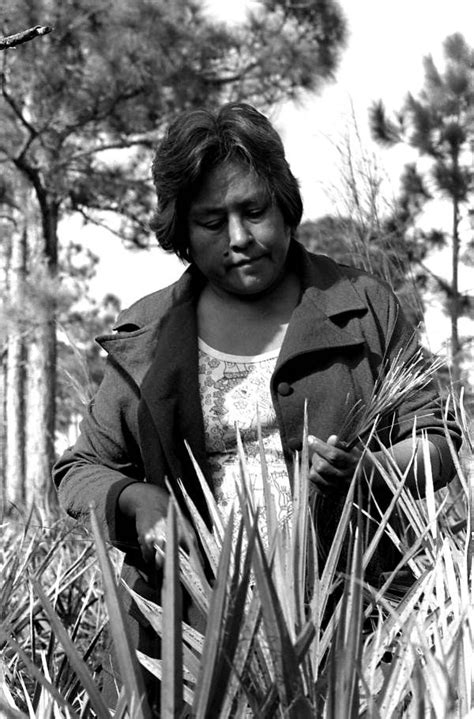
(421, 411)
(105, 458)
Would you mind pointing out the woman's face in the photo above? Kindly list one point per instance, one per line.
(237, 235)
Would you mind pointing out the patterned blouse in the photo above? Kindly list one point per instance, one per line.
(235, 391)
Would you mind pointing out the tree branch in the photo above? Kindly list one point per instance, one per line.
(143, 141)
(442, 284)
(117, 233)
(17, 110)
(18, 38)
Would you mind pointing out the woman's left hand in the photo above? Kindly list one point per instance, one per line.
(331, 464)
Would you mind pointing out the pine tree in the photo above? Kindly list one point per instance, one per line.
(439, 124)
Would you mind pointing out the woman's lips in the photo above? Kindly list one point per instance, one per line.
(247, 261)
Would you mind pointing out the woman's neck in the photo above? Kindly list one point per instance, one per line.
(247, 325)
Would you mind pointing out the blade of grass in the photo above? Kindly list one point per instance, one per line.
(396, 684)
(233, 628)
(330, 566)
(269, 501)
(345, 652)
(171, 600)
(249, 675)
(75, 658)
(36, 673)
(211, 543)
(397, 618)
(300, 532)
(287, 674)
(195, 582)
(205, 690)
(352, 613)
(9, 712)
(127, 662)
(191, 638)
(155, 667)
(210, 501)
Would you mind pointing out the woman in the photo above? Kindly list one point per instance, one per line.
(255, 319)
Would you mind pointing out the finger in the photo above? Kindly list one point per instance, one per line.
(320, 468)
(159, 547)
(147, 549)
(352, 451)
(331, 470)
(328, 471)
(186, 538)
(327, 451)
(159, 556)
(328, 487)
(151, 541)
(333, 454)
(334, 440)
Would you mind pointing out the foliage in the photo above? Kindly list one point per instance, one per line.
(80, 360)
(369, 230)
(439, 125)
(382, 250)
(282, 638)
(42, 565)
(79, 319)
(111, 75)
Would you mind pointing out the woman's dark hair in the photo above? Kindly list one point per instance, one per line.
(200, 140)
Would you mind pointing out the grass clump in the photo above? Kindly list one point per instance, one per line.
(50, 587)
(283, 638)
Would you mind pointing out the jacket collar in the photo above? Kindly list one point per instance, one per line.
(325, 282)
(154, 320)
(160, 358)
(327, 294)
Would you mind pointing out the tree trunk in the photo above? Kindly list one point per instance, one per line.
(3, 427)
(40, 408)
(14, 384)
(4, 264)
(454, 305)
(41, 365)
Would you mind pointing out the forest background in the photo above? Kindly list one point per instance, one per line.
(389, 188)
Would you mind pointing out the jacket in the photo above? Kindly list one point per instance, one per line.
(345, 328)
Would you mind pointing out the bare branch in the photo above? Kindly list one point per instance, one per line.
(18, 38)
(18, 111)
(88, 217)
(146, 140)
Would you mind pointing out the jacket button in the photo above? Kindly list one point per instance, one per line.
(284, 389)
(295, 444)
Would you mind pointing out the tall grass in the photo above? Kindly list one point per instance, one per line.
(51, 605)
(282, 639)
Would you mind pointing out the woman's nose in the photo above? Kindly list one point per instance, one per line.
(239, 235)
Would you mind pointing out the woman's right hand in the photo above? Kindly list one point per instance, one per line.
(331, 464)
(147, 506)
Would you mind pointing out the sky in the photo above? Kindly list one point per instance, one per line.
(382, 60)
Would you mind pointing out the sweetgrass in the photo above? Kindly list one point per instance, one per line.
(399, 380)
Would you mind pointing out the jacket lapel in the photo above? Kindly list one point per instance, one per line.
(133, 351)
(171, 388)
(326, 295)
(161, 360)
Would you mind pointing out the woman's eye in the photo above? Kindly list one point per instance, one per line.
(255, 213)
(211, 224)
